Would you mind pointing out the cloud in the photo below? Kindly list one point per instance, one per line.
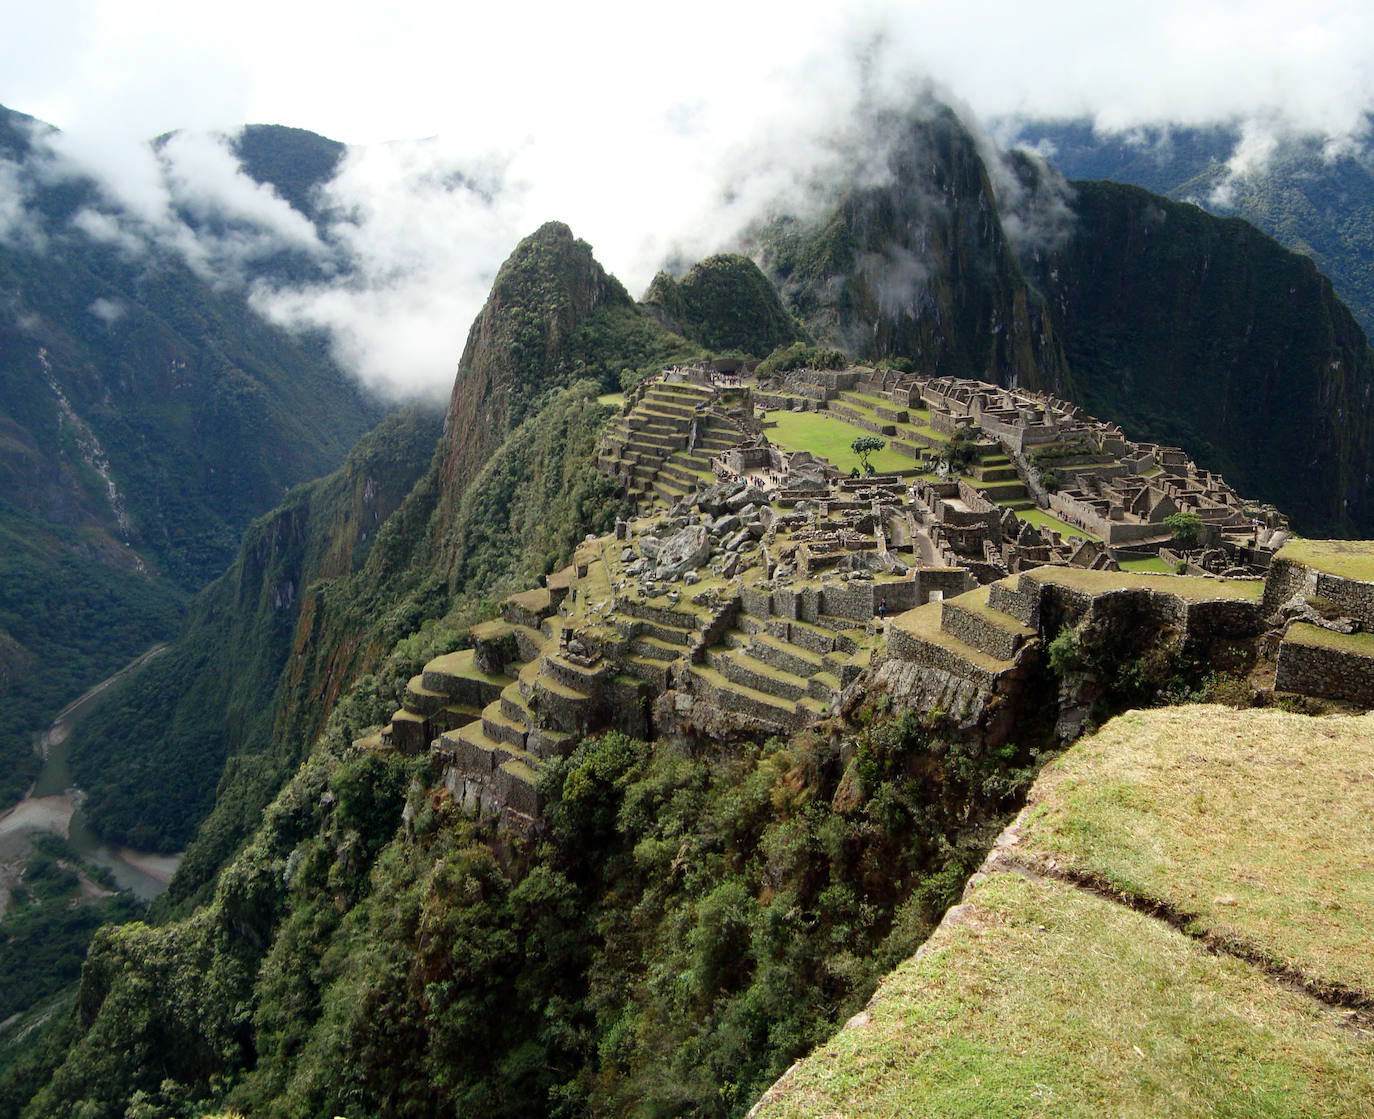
(108, 311)
(655, 136)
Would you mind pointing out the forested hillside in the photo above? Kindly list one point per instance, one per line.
(147, 414)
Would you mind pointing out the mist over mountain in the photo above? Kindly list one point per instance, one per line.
(148, 414)
(1312, 192)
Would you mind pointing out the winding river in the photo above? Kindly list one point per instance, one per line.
(54, 803)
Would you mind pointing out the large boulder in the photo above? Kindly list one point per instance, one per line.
(686, 550)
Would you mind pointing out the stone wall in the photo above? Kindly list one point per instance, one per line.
(972, 629)
(903, 646)
(1353, 599)
(1330, 673)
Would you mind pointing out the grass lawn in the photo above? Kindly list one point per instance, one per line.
(1040, 519)
(1304, 633)
(615, 399)
(829, 438)
(1346, 559)
(1150, 563)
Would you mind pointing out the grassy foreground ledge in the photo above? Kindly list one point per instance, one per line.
(1046, 993)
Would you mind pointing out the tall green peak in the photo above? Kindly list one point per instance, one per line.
(725, 302)
(531, 336)
(294, 161)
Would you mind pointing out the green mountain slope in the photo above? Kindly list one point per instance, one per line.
(150, 757)
(146, 416)
(724, 302)
(1309, 196)
(919, 266)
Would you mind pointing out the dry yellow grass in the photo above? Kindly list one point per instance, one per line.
(1046, 1000)
(1257, 824)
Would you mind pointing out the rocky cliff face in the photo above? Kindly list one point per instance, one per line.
(918, 265)
(1204, 333)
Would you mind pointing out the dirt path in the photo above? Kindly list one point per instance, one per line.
(62, 725)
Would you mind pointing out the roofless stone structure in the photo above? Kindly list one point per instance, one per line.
(760, 588)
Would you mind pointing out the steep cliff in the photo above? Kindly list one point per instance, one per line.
(522, 344)
(150, 757)
(1206, 334)
(917, 265)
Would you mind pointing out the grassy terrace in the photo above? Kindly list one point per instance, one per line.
(1303, 633)
(1040, 519)
(1256, 823)
(1042, 997)
(1346, 559)
(1193, 588)
(829, 438)
(923, 623)
(1150, 563)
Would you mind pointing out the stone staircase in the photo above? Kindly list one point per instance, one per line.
(997, 479)
(662, 449)
(781, 671)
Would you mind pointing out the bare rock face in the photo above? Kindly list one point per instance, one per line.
(686, 550)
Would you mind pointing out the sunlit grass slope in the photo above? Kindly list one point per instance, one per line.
(1046, 993)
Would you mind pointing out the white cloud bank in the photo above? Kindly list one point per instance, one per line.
(654, 132)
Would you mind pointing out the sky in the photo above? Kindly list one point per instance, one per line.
(653, 130)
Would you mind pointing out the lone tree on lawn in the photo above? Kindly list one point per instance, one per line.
(1186, 526)
(864, 446)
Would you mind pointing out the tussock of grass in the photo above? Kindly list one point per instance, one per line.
(1347, 559)
(1042, 999)
(1259, 824)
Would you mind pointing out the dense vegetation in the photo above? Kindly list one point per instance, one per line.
(690, 924)
(150, 756)
(66, 621)
(46, 928)
(724, 303)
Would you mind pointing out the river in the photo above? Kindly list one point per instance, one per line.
(54, 803)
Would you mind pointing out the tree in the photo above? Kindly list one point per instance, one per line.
(864, 446)
(1186, 526)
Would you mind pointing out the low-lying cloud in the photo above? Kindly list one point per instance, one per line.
(656, 139)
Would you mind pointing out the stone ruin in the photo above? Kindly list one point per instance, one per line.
(755, 589)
